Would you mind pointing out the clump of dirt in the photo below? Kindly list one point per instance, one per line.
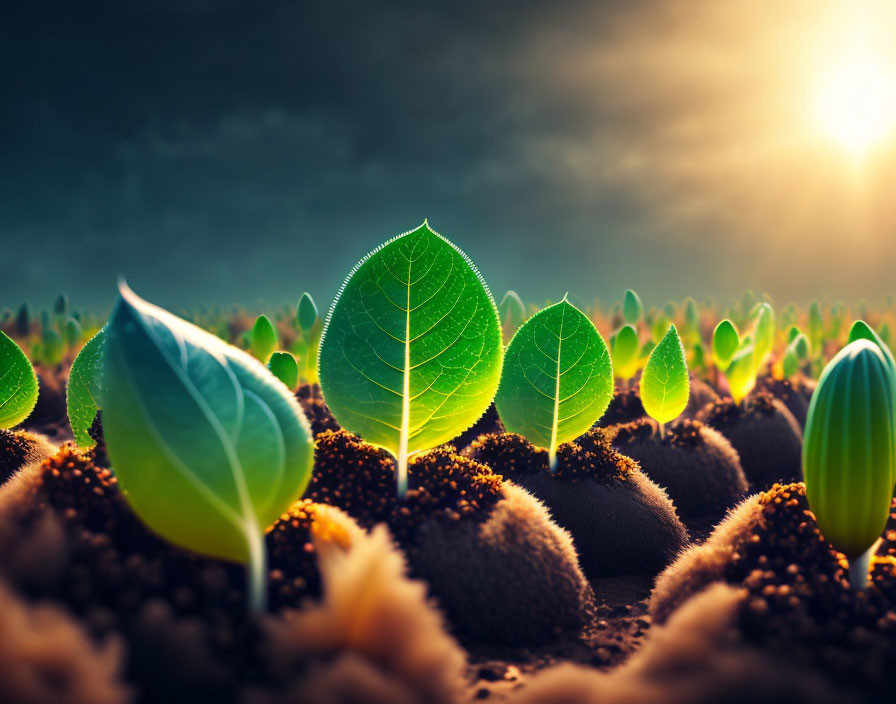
(490, 422)
(318, 413)
(794, 400)
(468, 534)
(765, 434)
(625, 406)
(694, 463)
(637, 532)
(19, 448)
(797, 605)
(701, 395)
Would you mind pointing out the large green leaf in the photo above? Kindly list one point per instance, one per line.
(665, 385)
(209, 448)
(411, 352)
(85, 387)
(557, 379)
(18, 384)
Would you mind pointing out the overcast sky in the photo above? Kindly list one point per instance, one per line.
(223, 151)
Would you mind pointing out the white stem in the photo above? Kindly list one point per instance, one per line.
(257, 570)
(858, 569)
(662, 428)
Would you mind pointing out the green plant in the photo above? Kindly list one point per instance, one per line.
(73, 332)
(208, 447)
(18, 384)
(741, 373)
(632, 308)
(557, 379)
(625, 350)
(52, 347)
(512, 313)
(262, 339)
(665, 384)
(23, 321)
(284, 366)
(763, 333)
(84, 389)
(796, 354)
(849, 452)
(725, 343)
(411, 352)
(307, 319)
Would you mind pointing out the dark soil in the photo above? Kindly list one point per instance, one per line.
(502, 572)
(793, 399)
(797, 604)
(695, 464)
(701, 395)
(765, 434)
(620, 521)
(50, 415)
(625, 406)
(312, 401)
(16, 450)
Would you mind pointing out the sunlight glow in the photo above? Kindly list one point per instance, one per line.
(856, 105)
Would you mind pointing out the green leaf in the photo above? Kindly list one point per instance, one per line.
(512, 313)
(725, 343)
(73, 332)
(741, 373)
(659, 327)
(284, 366)
(626, 352)
(209, 449)
(632, 308)
(60, 307)
(849, 448)
(18, 384)
(860, 330)
(263, 340)
(557, 379)
(692, 316)
(763, 332)
(52, 347)
(792, 332)
(85, 387)
(411, 351)
(306, 313)
(665, 385)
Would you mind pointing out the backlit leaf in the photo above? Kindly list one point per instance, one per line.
(411, 352)
(741, 373)
(725, 343)
(665, 384)
(84, 389)
(284, 366)
(557, 379)
(626, 352)
(18, 384)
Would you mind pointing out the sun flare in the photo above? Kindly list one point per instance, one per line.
(856, 105)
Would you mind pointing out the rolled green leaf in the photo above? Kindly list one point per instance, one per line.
(763, 333)
(306, 313)
(18, 384)
(208, 447)
(665, 384)
(557, 379)
(84, 389)
(263, 340)
(284, 366)
(725, 343)
(626, 352)
(741, 373)
(849, 450)
(411, 351)
(632, 308)
(860, 330)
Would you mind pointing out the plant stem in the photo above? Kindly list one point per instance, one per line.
(257, 570)
(858, 569)
(401, 474)
(552, 460)
(662, 428)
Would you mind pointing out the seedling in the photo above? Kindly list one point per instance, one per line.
(18, 384)
(763, 333)
(796, 354)
(725, 343)
(665, 384)
(306, 346)
(741, 373)
(73, 333)
(284, 366)
(411, 351)
(84, 389)
(512, 313)
(557, 379)
(626, 353)
(52, 347)
(209, 449)
(849, 452)
(262, 339)
(632, 308)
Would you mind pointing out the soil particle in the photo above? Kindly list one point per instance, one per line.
(500, 569)
(694, 463)
(19, 448)
(797, 603)
(765, 434)
(638, 531)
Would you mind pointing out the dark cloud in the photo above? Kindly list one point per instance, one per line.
(236, 151)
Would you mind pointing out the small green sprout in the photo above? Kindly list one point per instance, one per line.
(306, 347)
(625, 350)
(725, 343)
(741, 373)
(849, 452)
(60, 306)
(209, 449)
(18, 384)
(306, 314)
(73, 332)
(763, 333)
(263, 339)
(513, 314)
(557, 379)
(52, 347)
(283, 365)
(665, 384)
(632, 308)
(796, 354)
(84, 389)
(23, 321)
(411, 352)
